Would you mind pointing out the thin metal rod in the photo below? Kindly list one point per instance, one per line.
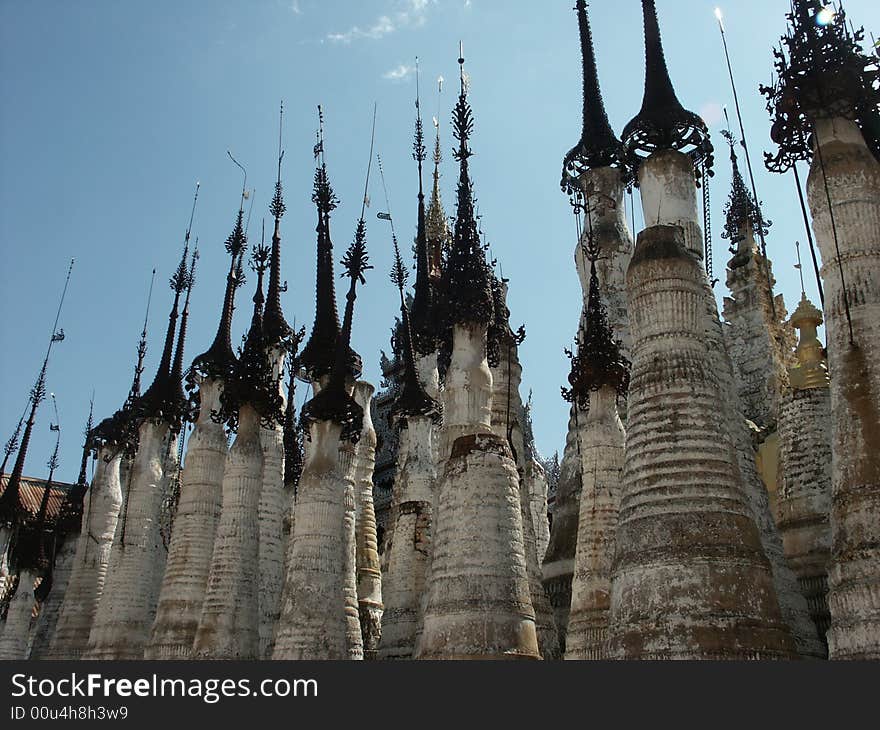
(748, 156)
(797, 180)
(370, 163)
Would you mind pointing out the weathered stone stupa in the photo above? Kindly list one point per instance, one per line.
(229, 627)
(690, 578)
(192, 541)
(599, 376)
(478, 603)
(319, 615)
(804, 503)
(121, 628)
(404, 581)
(825, 109)
(507, 412)
(113, 440)
(594, 172)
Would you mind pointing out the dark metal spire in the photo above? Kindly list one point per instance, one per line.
(121, 429)
(82, 478)
(70, 514)
(412, 399)
(10, 502)
(219, 360)
(177, 367)
(467, 277)
(424, 320)
(160, 399)
(437, 227)
(164, 398)
(334, 402)
(275, 327)
(71, 509)
(33, 547)
(252, 381)
(142, 347)
(599, 361)
(663, 123)
(12, 444)
(822, 72)
(317, 357)
(742, 210)
(598, 146)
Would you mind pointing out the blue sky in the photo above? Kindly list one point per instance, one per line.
(113, 110)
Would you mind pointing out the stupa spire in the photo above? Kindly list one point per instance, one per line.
(822, 72)
(741, 211)
(663, 123)
(177, 366)
(219, 359)
(10, 503)
(334, 403)
(467, 273)
(423, 333)
(275, 327)
(412, 399)
(135, 391)
(160, 400)
(317, 357)
(252, 381)
(12, 444)
(436, 225)
(598, 361)
(598, 145)
(82, 478)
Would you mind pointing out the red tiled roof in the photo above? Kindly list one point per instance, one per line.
(31, 494)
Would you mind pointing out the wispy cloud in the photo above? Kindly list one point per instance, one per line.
(410, 14)
(400, 73)
(295, 8)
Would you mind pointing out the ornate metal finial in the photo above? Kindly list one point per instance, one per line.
(177, 366)
(412, 400)
(252, 381)
(161, 400)
(742, 210)
(33, 549)
(142, 346)
(70, 513)
(10, 500)
(436, 225)
(317, 357)
(82, 479)
(467, 272)
(599, 361)
(12, 444)
(424, 319)
(811, 371)
(663, 123)
(598, 146)
(822, 72)
(275, 326)
(528, 428)
(218, 361)
(334, 402)
(120, 430)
